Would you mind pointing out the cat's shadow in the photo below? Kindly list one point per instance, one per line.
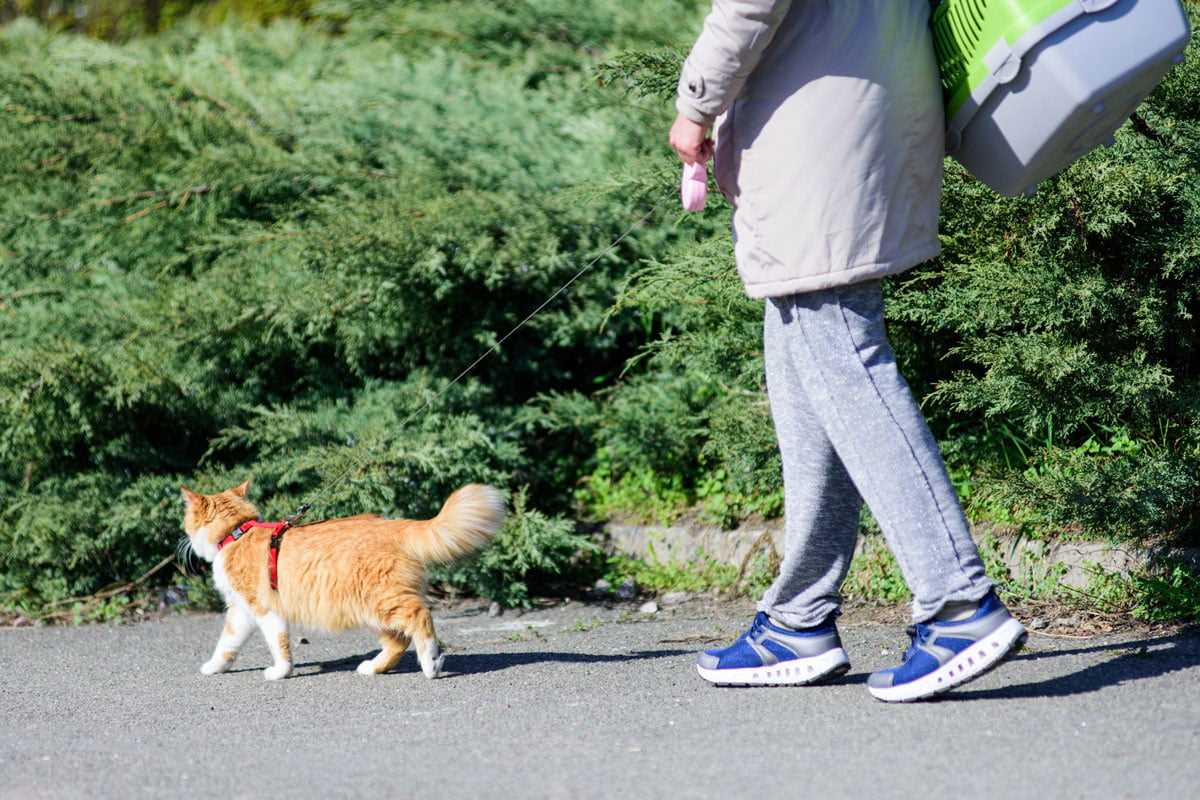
(461, 664)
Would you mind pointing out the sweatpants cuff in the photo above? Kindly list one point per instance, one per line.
(923, 612)
(807, 618)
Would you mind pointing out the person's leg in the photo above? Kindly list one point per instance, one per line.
(847, 370)
(793, 639)
(821, 505)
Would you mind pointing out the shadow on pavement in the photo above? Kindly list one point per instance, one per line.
(1137, 660)
(458, 664)
(477, 663)
(346, 664)
(1133, 660)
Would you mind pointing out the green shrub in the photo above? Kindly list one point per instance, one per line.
(874, 575)
(268, 252)
(1168, 591)
(653, 575)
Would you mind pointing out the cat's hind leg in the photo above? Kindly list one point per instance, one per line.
(426, 644)
(393, 644)
(275, 631)
(238, 626)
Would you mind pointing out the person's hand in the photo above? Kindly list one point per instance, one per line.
(690, 140)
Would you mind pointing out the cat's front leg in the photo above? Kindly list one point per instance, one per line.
(238, 625)
(274, 630)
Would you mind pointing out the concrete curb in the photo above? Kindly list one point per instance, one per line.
(1071, 563)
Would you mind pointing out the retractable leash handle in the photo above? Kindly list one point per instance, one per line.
(693, 187)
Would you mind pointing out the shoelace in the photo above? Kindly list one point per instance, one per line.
(917, 634)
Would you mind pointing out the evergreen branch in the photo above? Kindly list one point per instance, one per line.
(23, 293)
(1141, 126)
(183, 194)
(30, 116)
(111, 591)
(191, 191)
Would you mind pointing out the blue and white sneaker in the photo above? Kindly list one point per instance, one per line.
(768, 655)
(948, 654)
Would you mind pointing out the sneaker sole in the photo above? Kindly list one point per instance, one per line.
(968, 665)
(795, 672)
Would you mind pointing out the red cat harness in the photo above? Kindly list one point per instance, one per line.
(277, 531)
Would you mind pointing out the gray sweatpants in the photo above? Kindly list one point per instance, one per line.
(849, 430)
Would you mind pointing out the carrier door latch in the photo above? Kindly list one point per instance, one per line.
(1002, 62)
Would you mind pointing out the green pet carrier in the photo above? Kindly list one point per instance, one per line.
(1032, 85)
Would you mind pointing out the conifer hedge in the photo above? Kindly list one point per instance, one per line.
(256, 252)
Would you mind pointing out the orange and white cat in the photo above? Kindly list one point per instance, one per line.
(364, 571)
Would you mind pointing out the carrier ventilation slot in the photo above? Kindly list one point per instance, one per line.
(957, 28)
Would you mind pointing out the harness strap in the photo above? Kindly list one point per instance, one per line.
(277, 531)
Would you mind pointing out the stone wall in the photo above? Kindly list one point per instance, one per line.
(1028, 560)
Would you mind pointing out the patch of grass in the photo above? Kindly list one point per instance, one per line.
(641, 495)
(875, 575)
(697, 575)
(112, 609)
(585, 625)
(760, 573)
(1038, 578)
(1169, 592)
(529, 634)
(201, 594)
(723, 504)
(701, 574)
(191, 593)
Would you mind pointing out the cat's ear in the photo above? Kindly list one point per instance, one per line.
(189, 496)
(241, 490)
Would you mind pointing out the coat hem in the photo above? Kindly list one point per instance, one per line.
(844, 277)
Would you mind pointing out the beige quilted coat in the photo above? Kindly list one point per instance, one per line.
(828, 121)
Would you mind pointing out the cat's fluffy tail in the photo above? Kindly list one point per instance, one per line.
(469, 518)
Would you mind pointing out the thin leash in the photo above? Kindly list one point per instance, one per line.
(359, 463)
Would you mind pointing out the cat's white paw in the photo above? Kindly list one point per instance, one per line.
(367, 667)
(277, 672)
(434, 668)
(213, 666)
(430, 657)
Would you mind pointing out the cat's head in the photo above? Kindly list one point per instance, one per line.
(208, 518)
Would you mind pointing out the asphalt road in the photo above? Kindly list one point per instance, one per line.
(582, 701)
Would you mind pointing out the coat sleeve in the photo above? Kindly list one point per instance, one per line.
(736, 32)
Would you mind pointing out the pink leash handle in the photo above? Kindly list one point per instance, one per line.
(693, 187)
